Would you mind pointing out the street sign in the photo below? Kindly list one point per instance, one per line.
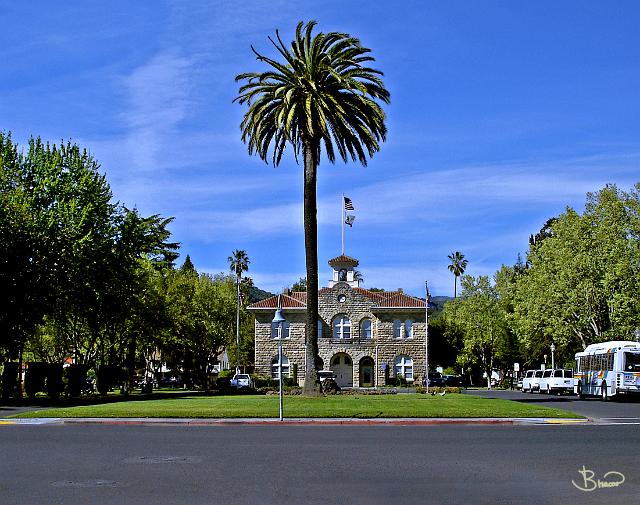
(516, 367)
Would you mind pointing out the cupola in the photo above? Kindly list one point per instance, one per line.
(344, 271)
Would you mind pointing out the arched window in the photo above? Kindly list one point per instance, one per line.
(365, 328)
(404, 367)
(341, 327)
(342, 275)
(341, 359)
(285, 330)
(408, 329)
(320, 328)
(397, 329)
(275, 369)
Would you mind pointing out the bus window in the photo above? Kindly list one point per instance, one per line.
(631, 362)
(568, 374)
(557, 373)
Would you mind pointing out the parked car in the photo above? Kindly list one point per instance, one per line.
(556, 381)
(242, 380)
(519, 383)
(452, 380)
(326, 374)
(531, 381)
(435, 380)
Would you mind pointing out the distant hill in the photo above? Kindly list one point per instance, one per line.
(439, 301)
(257, 294)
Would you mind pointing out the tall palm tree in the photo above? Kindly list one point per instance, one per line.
(457, 267)
(238, 263)
(320, 94)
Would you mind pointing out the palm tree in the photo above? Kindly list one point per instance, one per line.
(321, 94)
(238, 263)
(457, 267)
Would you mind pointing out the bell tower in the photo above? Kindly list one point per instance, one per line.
(343, 268)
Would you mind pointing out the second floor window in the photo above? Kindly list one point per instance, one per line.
(341, 327)
(285, 330)
(365, 329)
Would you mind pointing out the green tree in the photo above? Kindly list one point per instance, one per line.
(482, 323)
(321, 94)
(300, 284)
(583, 278)
(457, 267)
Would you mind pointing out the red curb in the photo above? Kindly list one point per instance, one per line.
(328, 422)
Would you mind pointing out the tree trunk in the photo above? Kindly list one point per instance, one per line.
(311, 380)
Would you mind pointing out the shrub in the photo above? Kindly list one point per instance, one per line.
(438, 390)
(330, 386)
(226, 374)
(76, 376)
(9, 379)
(34, 378)
(54, 384)
(109, 376)
(263, 381)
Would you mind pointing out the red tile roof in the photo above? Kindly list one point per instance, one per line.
(382, 300)
(343, 259)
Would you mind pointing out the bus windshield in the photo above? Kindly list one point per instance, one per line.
(631, 362)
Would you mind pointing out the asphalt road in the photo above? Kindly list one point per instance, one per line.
(236, 465)
(621, 410)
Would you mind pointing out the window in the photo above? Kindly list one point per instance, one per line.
(397, 329)
(365, 329)
(285, 330)
(341, 327)
(342, 275)
(557, 373)
(404, 367)
(320, 328)
(408, 329)
(275, 368)
(631, 362)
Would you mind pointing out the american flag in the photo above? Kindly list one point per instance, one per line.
(348, 204)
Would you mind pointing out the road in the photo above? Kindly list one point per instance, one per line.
(172, 465)
(625, 410)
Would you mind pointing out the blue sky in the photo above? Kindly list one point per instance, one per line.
(502, 114)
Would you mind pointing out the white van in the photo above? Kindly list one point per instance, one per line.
(531, 381)
(556, 381)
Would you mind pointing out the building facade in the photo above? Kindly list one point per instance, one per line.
(365, 337)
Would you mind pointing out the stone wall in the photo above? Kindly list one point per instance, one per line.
(382, 348)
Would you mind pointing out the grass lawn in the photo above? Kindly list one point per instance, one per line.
(339, 406)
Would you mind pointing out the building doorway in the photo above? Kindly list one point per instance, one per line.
(367, 367)
(342, 366)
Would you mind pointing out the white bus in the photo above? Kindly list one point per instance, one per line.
(608, 369)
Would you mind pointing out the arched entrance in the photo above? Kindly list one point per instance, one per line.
(342, 366)
(367, 367)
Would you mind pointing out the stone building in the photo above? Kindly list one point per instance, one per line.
(365, 337)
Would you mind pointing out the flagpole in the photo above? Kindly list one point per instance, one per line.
(342, 203)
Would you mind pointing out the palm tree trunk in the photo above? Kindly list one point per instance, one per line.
(455, 286)
(311, 380)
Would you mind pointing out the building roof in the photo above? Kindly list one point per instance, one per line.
(343, 260)
(382, 300)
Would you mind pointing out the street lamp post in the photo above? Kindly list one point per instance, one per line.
(279, 319)
(553, 363)
(545, 361)
(636, 334)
